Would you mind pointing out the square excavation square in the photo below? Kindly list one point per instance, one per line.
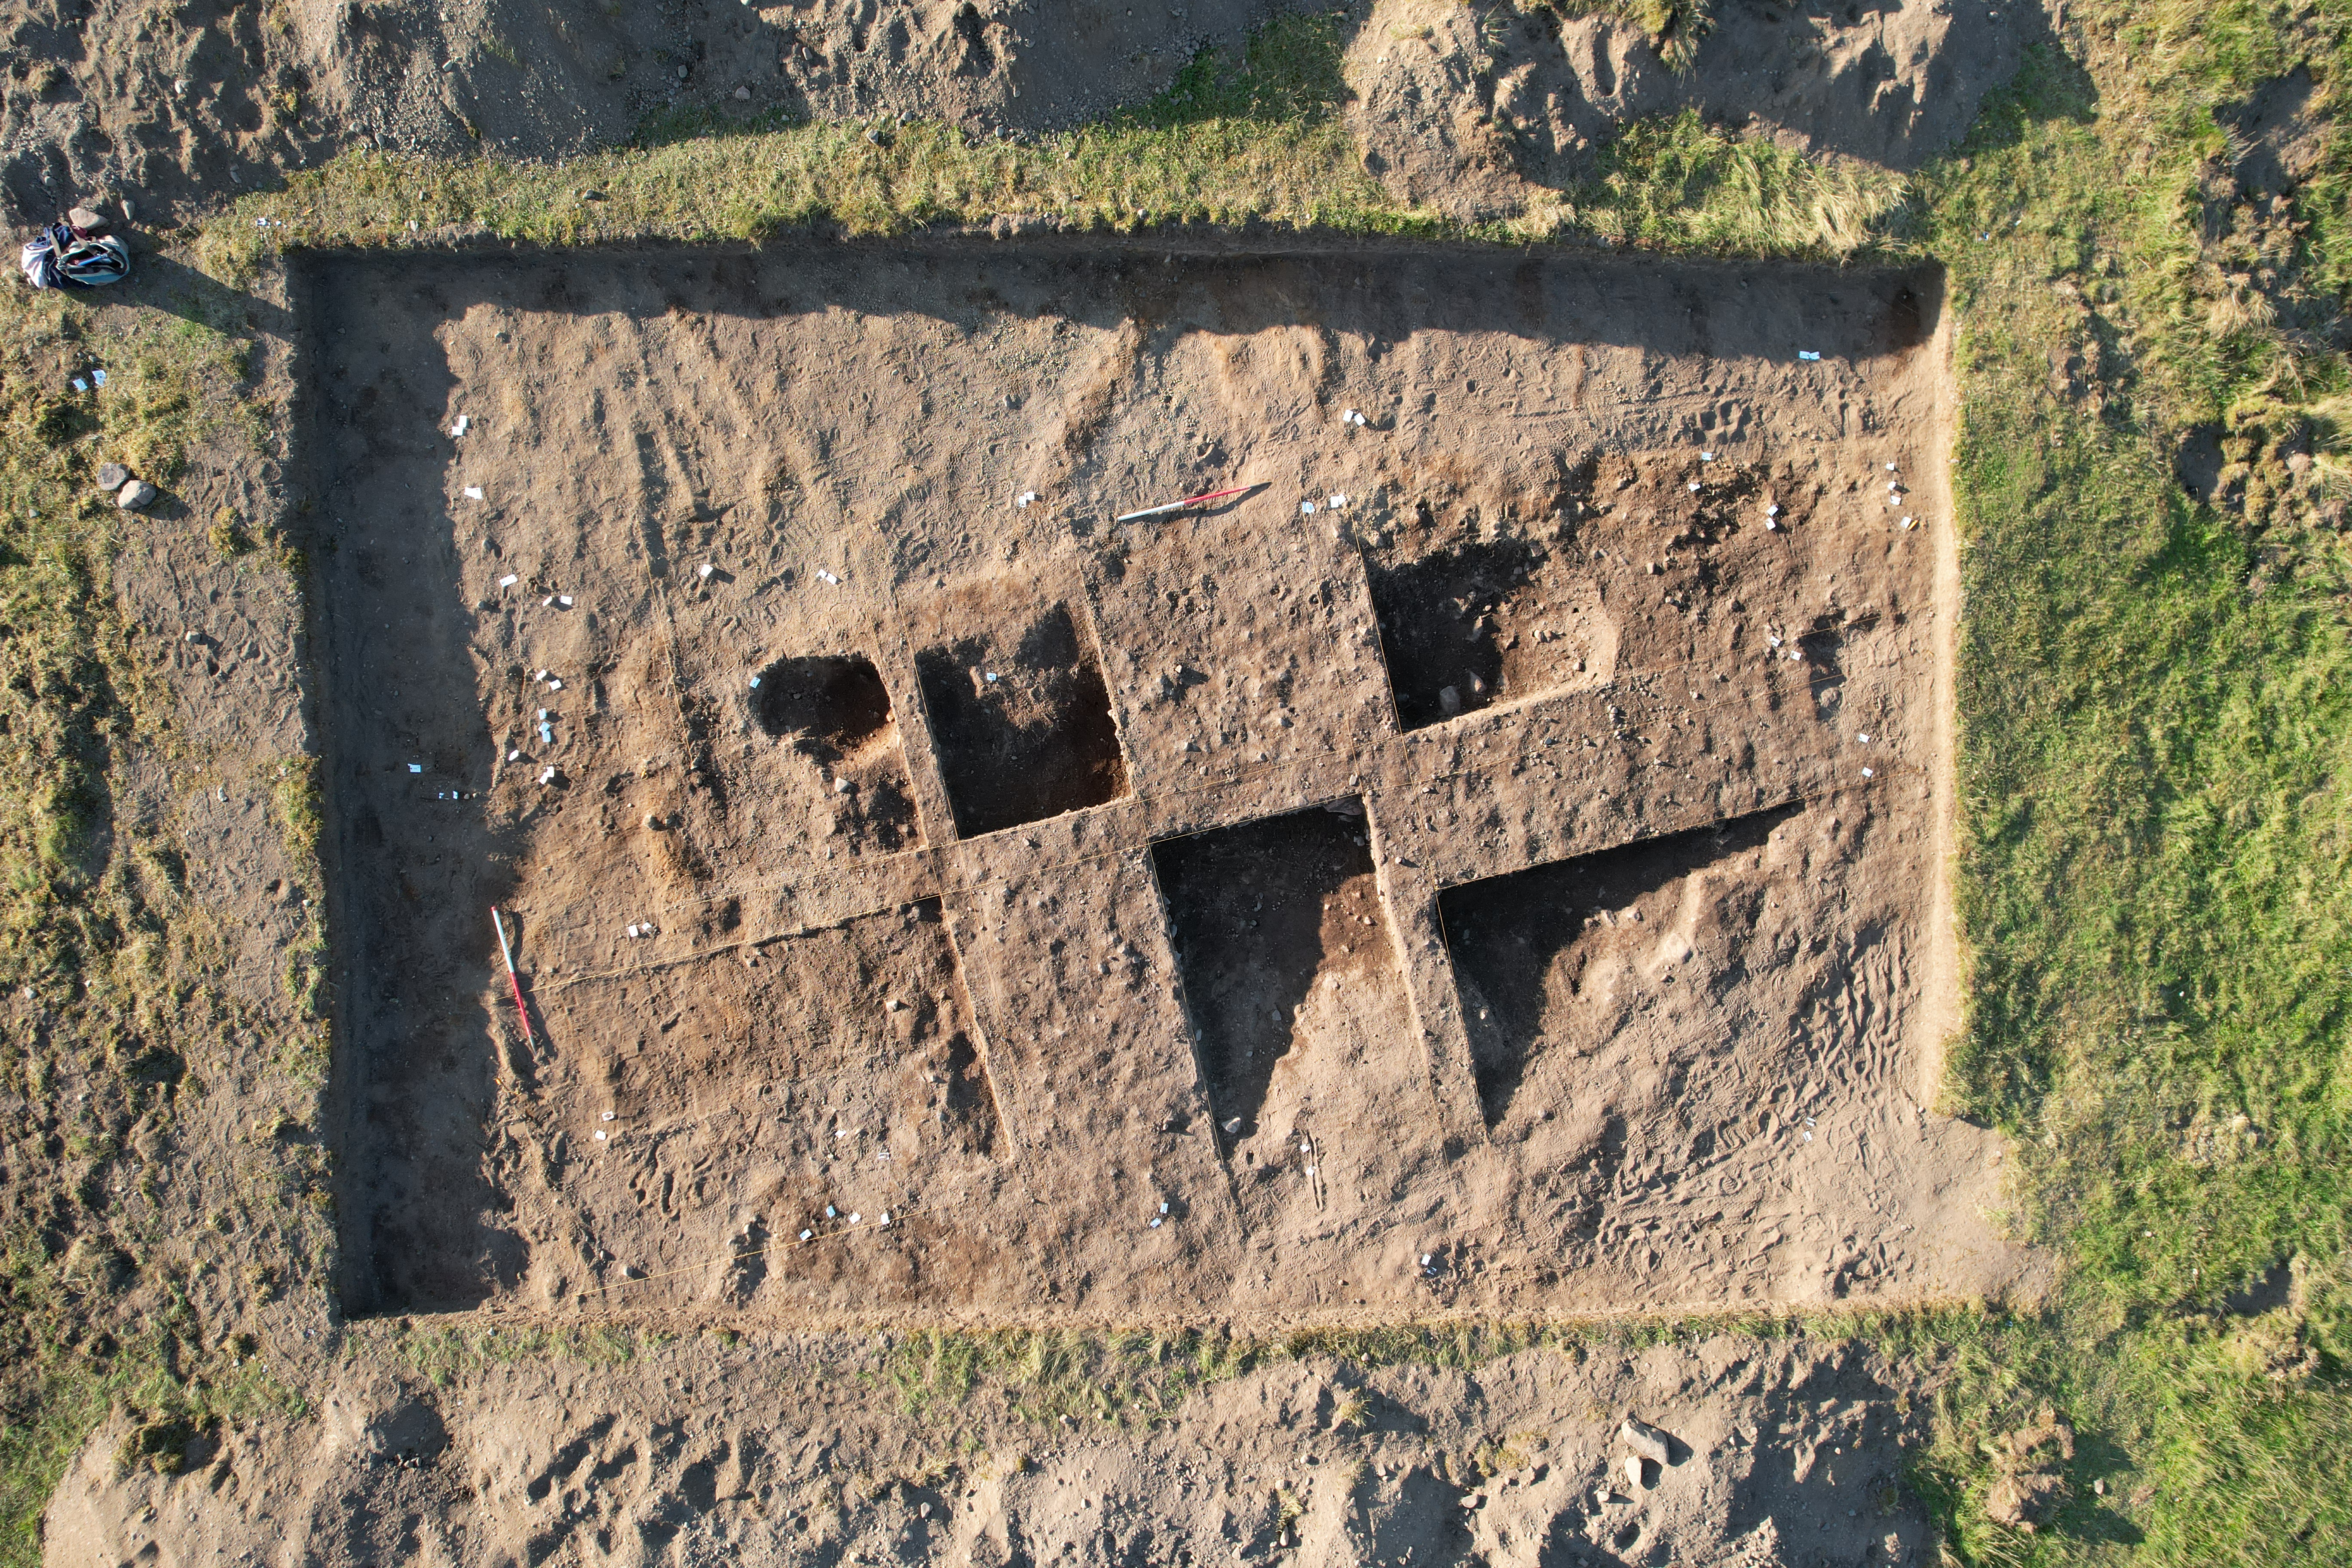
(1496, 865)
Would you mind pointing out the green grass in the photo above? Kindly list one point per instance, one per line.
(95, 922)
(2156, 703)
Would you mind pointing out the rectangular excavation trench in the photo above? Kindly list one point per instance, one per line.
(873, 815)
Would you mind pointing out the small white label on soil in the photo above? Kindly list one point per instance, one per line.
(473, 492)
(508, 580)
(417, 767)
(1807, 353)
(1307, 508)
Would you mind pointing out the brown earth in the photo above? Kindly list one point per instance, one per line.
(177, 107)
(1508, 886)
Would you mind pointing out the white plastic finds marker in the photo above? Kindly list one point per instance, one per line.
(459, 428)
(473, 492)
(1337, 501)
(508, 580)
(707, 569)
(1807, 353)
(1307, 508)
(417, 767)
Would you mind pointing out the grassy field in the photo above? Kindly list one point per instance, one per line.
(2156, 695)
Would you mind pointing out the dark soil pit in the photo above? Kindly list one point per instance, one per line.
(1019, 718)
(1292, 987)
(1479, 622)
(1545, 958)
(832, 714)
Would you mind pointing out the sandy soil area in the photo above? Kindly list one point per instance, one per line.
(1457, 107)
(795, 1448)
(1492, 867)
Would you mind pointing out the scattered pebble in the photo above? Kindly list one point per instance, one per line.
(112, 476)
(138, 495)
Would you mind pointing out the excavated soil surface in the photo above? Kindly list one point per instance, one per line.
(1495, 865)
